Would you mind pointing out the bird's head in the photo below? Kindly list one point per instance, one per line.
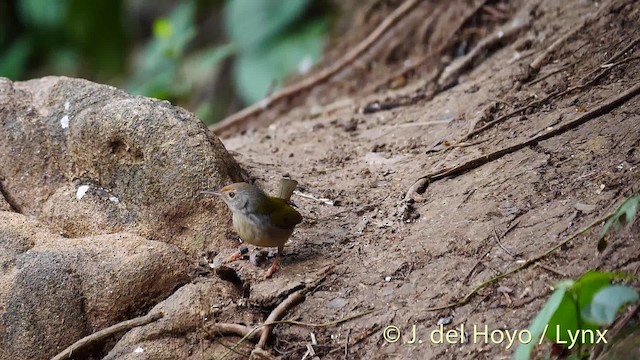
(240, 196)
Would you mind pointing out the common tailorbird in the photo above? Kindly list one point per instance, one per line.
(259, 219)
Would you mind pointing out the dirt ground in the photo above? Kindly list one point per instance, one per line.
(359, 142)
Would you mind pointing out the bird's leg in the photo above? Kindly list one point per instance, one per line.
(274, 265)
(243, 250)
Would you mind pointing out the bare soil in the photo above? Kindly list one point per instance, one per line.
(359, 143)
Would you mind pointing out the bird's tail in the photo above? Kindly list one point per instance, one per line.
(286, 188)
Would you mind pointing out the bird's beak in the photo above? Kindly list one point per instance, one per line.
(211, 192)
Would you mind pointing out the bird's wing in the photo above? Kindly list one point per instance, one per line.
(283, 215)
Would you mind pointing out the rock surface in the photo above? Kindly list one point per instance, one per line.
(89, 159)
(99, 214)
(181, 333)
(54, 290)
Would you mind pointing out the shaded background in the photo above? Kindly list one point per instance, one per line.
(209, 56)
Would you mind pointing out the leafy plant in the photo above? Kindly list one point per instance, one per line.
(177, 60)
(267, 39)
(156, 70)
(575, 311)
(72, 37)
(271, 43)
(625, 214)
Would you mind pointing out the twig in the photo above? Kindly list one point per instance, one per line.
(537, 63)
(625, 60)
(346, 345)
(330, 323)
(105, 333)
(432, 54)
(420, 123)
(365, 334)
(508, 115)
(624, 320)
(583, 83)
(495, 233)
(454, 70)
(247, 336)
(261, 354)
(277, 314)
(239, 119)
(560, 69)
(416, 188)
(292, 322)
(609, 60)
(526, 264)
(549, 268)
(614, 330)
(310, 352)
(309, 196)
(478, 262)
(420, 185)
(9, 199)
(234, 329)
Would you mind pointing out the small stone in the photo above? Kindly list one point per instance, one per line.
(337, 303)
(584, 208)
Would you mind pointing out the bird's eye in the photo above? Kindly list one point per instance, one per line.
(232, 194)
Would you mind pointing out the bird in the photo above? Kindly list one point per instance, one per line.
(260, 219)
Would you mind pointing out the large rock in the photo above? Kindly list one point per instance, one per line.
(100, 216)
(90, 159)
(182, 332)
(54, 291)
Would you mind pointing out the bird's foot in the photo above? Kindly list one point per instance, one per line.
(274, 264)
(238, 255)
(272, 269)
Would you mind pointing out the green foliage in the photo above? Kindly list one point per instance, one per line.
(271, 44)
(156, 70)
(14, 61)
(73, 37)
(181, 57)
(577, 307)
(606, 302)
(43, 13)
(252, 24)
(261, 70)
(540, 322)
(625, 214)
(266, 37)
(567, 317)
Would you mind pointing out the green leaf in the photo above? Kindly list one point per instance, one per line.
(564, 319)
(162, 28)
(95, 32)
(568, 318)
(43, 13)
(14, 59)
(625, 214)
(592, 282)
(251, 23)
(539, 323)
(605, 304)
(257, 72)
(156, 70)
